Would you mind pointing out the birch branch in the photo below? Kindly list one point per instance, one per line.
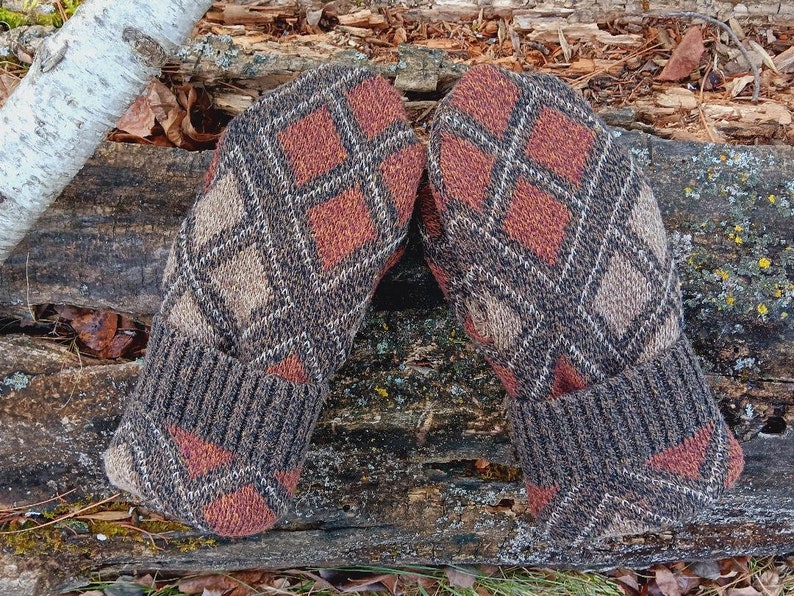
(83, 79)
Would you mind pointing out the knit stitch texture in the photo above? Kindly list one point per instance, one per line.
(549, 244)
(305, 206)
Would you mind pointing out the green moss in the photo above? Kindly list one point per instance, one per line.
(39, 13)
(13, 19)
(32, 542)
(190, 544)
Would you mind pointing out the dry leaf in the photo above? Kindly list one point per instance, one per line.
(7, 85)
(765, 57)
(667, 582)
(139, 119)
(784, 62)
(737, 85)
(748, 591)
(685, 57)
(459, 578)
(205, 584)
(96, 329)
(107, 515)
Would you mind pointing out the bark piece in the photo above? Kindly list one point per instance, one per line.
(685, 57)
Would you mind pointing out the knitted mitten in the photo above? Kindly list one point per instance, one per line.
(306, 202)
(550, 246)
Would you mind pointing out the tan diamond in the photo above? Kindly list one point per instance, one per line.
(646, 221)
(218, 210)
(186, 316)
(243, 282)
(665, 336)
(494, 319)
(622, 295)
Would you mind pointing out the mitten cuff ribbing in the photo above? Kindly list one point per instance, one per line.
(639, 451)
(626, 419)
(210, 439)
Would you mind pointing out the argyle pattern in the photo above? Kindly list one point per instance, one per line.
(549, 244)
(306, 204)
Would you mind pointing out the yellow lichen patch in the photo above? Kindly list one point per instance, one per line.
(722, 274)
(772, 199)
(730, 300)
(762, 309)
(381, 391)
(764, 263)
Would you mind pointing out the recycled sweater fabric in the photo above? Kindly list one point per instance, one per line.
(549, 244)
(306, 204)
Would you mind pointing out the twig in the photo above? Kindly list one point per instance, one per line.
(696, 15)
(63, 517)
(700, 105)
(595, 73)
(23, 507)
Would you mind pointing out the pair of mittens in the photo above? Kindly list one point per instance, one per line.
(544, 237)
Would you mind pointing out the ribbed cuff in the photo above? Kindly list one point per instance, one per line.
(225, 401)
(210, 440)
(623, 420)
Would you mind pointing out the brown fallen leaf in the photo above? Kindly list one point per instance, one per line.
(139, 119)
(107, 515)
(213, 584)
(748, 591)
(685, 57)
(459, 578)
(7, 85)
(96, 330)
(666, 581)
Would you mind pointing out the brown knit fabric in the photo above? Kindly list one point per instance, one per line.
(306, 203)
(549, 244)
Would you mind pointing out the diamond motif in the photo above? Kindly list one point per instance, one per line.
(340, 226)
(622, 295)
(289, 480)
(401, 172)
(243, 283)
(198, 455)
(291, 369)
(537, 220)
(375, 105)
(560, 144)
(646, 221)
(466, 170)
(735, 460)
(664, 337)
(186, 316)
(539, 496)
(312, 145)
(685, 459)
(566, 379)
(484, 82)
(493, 319)
(241, 513)
(218, 210)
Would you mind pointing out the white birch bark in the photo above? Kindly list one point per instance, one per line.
(83, 79)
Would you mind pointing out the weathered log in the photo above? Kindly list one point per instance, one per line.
(390, 478)
(104, 243)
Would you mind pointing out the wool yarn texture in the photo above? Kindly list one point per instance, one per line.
(549, 244)
(305, 206)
